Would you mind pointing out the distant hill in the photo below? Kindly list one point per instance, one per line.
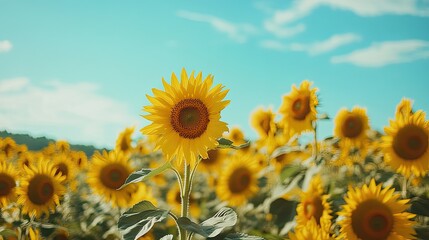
(36, 144)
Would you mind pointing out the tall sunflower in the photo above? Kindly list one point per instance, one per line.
(40, 189)
(214, 161)
(314, 205)
(108, 172)
(299, 108)
(67, 168)
(186, 116)
(351, 127)
(123, 143)
(8, 178)
(373, 213)
(8, 147)
(238, 180)
(406, 145)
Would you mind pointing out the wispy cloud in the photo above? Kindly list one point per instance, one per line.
(385, 53)
(282, 21)
(330, 44)
(5, 46)
(77, 112)
(237, 32)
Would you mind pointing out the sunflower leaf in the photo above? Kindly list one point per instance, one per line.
(144, 174)
(225, 217)
(241, 236)
(420, 206)
(139, 219)
(323, 116)
(226, 143)
(7, 233)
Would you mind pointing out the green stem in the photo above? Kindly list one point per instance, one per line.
(186, 191)
(315, 148)
(404, 187)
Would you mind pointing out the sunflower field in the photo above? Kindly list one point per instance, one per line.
(191, 176)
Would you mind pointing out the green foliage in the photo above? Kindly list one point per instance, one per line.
(144, 174)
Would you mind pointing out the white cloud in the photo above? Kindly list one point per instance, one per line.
(330, 44)
(385, 53)
(5, 46)
(280, 22)
(76, 112)
(237, 32)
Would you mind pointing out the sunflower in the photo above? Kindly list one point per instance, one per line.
(8, 178)
(314, 205)
(351, 127)
(107, 172)
(174, 200)
(67, 168)
(299, 108)
(8, 147)
(79, 158)
(186, 116)
(238, 180)
(406, 144)
(236, 135)
(60, 234)
(142, 192)
(214, 161)
(40, 189)
(123, 143)
(62, 146)
(263, 122)
(404, 108)
(374, 213)
(26, 159)
(310, 231)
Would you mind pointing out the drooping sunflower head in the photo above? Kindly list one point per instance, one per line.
(108, 172)
(186, 116)
(374, 213)
(263, 122)
(310, 231)
(8, 178)
(404, 108)
(351, 127)
(314, 205)
(238, 181)
(123, 143)
(299, 108)
(40, 189)
(406, 144)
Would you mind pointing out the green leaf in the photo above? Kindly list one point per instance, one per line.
(283, 210)
(420, 206)
(241, 236)
(323, 116)
(139, 219)
(226, 143)
(225, 217)
(144, 173)
(167, 237)
(422, 232)
(290, 171)
(6, 233)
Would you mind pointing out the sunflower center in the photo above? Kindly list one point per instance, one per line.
(313, 207)
(40, 189)
(240, 180)
(113, 176)
(372, 220)
(7, 183)
(62, 169)
(301, 107)
(352, 127)
(213, 156)
(190, 118)
(411, 142)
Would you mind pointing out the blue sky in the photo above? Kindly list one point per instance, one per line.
(80, 70)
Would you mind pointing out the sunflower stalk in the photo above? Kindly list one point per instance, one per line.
(185, 193)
